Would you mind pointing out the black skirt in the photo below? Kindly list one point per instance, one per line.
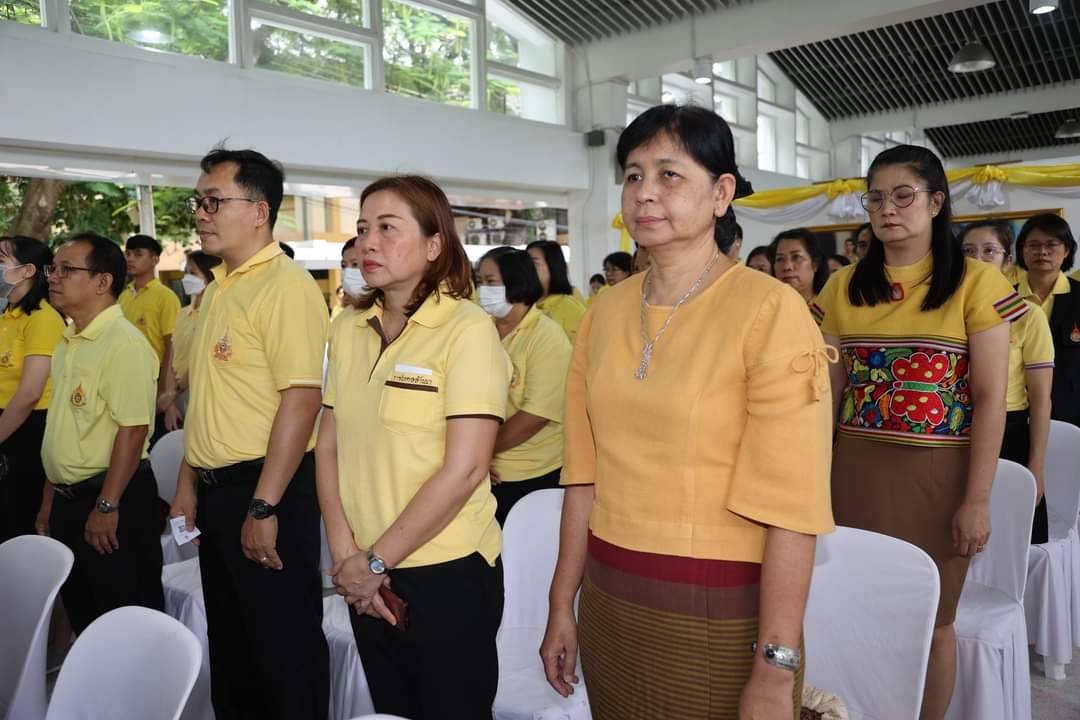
(1016, 446)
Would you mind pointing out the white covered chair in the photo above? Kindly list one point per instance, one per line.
(1051, 624)
(184, 601)
(165, 459)
(871, 596)
(132, 663)
(530, 550)
(32, 569)
(992, 677)
(349, 693)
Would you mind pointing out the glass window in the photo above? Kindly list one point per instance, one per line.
(180, 26)
(766, 88)
(348, 11)
(297, 53)
(726, 107)
(508, 49)
(21, 11)
(724, 70)
(766, 142)
(802, 166)
(802, 127)
(428, 54)
(521, 99)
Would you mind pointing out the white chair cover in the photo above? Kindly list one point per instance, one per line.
(165, 459)
(32, 569)
(184, 601)
(132, 663)
(871, 596)
(530, 550)
(349, 694)
(1048, 596)
(992, 679)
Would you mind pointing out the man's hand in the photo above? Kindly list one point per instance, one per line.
(100, 531)
(258, 538)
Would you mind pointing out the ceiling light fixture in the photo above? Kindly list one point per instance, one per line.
(703, 70)
(1020, 115)
(973, 57)
(1041, 7)
(1069, 130)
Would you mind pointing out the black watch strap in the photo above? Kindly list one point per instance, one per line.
(260, 509)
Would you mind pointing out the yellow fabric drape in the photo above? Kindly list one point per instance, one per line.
(626, 243)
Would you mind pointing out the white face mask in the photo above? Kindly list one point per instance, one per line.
(352, 282)
(193, 285)
(493, 300)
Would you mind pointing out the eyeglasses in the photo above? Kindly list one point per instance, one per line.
(1037, 247)
(62, 271)
(902, 197)
(988, 253)
(210, 204)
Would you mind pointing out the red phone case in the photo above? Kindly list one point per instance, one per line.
(397, 607)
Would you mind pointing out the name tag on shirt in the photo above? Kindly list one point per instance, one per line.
(412, 377)
(180, 532)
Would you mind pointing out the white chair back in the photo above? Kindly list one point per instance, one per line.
(165, 459)
(1003, 564)
(32, 569)
(1062, 478)
(132, 663)
(871, 596)
(530, 550)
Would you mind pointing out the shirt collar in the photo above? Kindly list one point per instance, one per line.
(265, 255)
(916, 272)
(146, 287)
(433, 312)
(1061, 286)
(97, 326)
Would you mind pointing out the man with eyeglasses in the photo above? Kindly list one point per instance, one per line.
(104, 379)
(248, 476)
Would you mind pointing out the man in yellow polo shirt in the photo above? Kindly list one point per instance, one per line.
(95, 446)
(248, 478)
(152, 308)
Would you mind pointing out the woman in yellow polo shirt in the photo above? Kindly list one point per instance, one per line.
(690, 537)
(197, 275)
(416, 390)
(559, 302)
(30, 330)
(529, 446)
(1031, 368)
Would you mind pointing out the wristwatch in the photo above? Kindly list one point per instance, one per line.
(780, 656)
(260, 509)
(376, 564)
(105, 507)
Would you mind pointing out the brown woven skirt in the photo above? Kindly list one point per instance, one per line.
(910, 493)
(667, 637)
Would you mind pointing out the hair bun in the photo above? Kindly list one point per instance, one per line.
(742, 186)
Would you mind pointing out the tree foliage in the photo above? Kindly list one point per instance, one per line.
(191, 27)
(22, 11)
(428, 55)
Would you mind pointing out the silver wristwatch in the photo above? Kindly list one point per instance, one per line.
(376, 564)
(780, 656)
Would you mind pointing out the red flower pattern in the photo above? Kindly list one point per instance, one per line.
(912, 395)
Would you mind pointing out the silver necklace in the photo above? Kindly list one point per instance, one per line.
(647, 350)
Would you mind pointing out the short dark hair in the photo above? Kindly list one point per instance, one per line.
(1054, 226)
(738, 232)
(1001, 228)
(28, 251)
(559, 284)
(204, 261)
(598, 278)
(105, 258)
(759, 250)
(809, 242)
(260, 176)
(621, 260)
(287, 249)
(349, 245)
(842, 259)
(705, 136)
(143, 242)
(518, 274)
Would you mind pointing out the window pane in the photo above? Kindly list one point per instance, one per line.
(725, 106)
(21, 11)
(802, 127)
(725, 70)
(428, 55)
(766, 142)
(349, 11)
(504, 47)
(181, 26)
(312, 56)
(524, 100)
(766, 88)
(802, 166)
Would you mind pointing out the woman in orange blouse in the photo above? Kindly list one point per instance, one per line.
(689, 536)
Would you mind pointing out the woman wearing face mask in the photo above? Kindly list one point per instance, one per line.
(30, 330)
(1031, 369)
(529, 446)
(198, 274)
(796, 260)
(920, 394)
(558, 302)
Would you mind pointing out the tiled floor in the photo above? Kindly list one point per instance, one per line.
(1056, 699)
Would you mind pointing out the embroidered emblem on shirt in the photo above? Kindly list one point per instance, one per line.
(78, 397)
(515, 379)
(5, 359)
(141, 320)
(223, 348)
(1074, 336)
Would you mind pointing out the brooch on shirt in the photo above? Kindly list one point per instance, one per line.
(896, 292)
(223, 348)
(78, 397)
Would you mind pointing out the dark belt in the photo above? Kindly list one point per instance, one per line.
(230, 474)
(74, 490)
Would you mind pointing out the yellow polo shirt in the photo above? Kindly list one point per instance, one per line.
(1061, 287)
(21, 335)
(566, 310)
(540, 354)
(153, 311)
(1031, 346)
(104, 378)
(183, 336)
(391, 417)
(261, 329)
(1014, 274)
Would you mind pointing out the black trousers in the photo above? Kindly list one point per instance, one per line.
(22, 477)
(508, 493)
(445, 665)
(130, 575)
(268, 655)
(1016, 446)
